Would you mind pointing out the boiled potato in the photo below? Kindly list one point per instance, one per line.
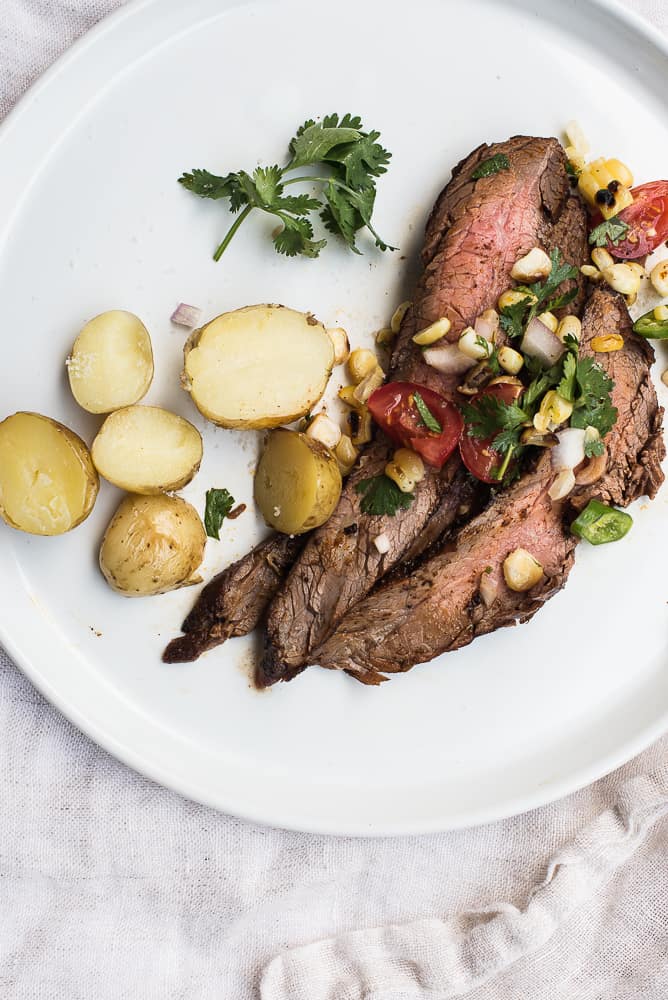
(297, 483)
(152, 545)
(48, 483)
(111, 363)
(145, 449)
(258, 367)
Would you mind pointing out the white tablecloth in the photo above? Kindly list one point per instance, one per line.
(113, 888)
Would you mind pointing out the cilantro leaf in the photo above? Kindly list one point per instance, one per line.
(593, 448)
(512, 318)
(362, 160)
(381, 495)
(208, 185)
(491, 166)
(489, 415)
(593, 406)
(295, 238)
(612, 231)
(567, 385)
(340, 216)
(536, 389)
(544, 290)
(268, 185)
(427, 417)
(298, 204)
(314, 143)
(219, 503)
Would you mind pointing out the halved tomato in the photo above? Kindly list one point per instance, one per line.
(647, 218)
(394, 409)
(477, 454)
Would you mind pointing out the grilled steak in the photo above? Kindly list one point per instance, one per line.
(476, 232)
(442, 606)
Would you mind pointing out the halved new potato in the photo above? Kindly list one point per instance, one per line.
(297, 482)
(145, 449)
(152, 544)
(48, 483)
(111, 362)
(258, 367)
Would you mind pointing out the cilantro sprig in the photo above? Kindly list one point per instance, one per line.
(610, 231)
(346, 188)
(381, 495)
(540, 296)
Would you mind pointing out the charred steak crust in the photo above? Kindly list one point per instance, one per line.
(441, 607)
(476, 231)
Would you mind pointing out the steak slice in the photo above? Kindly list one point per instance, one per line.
(442, 606)
(476, 232)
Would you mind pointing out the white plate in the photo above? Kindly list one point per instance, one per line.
(92, 218)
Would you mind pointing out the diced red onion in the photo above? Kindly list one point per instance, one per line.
(448, 359)
(569, 453)
(539, 342)
(185, 315)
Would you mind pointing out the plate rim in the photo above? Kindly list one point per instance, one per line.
(270, 814)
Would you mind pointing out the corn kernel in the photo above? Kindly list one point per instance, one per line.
(324, 430)
(410, 462)
(620, 172)
(347, 395)
(521, 570)
(660, 313)
(510, 360)
(346, 454)
(549, 320)
(433, 332)
(623, 198)
(602, 258)
(359, 421)
(607, 342)
(340, 343)
(588, 186)
(622, 278)
(398, 316)
(590, 272)
(631, 299)
(398, 476)
(554, 411)
(385, 336)
(575, 157)
(659, 278)
(600, 173)
(570, 326)
(473, 345)
(576, 136)
(512, 297)
(534, 266)
(360, 363)
(368, 385)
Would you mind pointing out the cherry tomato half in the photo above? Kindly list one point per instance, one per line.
(394, 409)
(479, 458)
(648, 221)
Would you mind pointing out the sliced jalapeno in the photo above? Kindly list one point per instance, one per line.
(599, 524)
(651, 327)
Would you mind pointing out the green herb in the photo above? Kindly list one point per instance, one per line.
(570, 170)
(513, 317)
(592, 406)
(600, 524)
(540, 296)
(352, 160)
(427, 417)
(491, 166)
(593, 448)
(219, 503)
(650, 327)
(567, 385)
(612, 231)
(382, 496)
(536, 389)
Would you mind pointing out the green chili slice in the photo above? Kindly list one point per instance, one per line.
(651, 327)
(599, 524)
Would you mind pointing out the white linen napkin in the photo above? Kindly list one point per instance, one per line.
(112, 888)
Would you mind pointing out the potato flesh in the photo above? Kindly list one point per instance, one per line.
(152, 545)
(145, 449)
(48, 483)
(297, 483)
(258, 367)
(111, 363)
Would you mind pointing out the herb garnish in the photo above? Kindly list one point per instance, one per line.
(219, 503)
(612, 230)
(427, 417)
(382, 496)
(491, 166)
(541, 296)
(352, 159)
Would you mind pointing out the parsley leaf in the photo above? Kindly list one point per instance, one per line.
(612, 230)
(219, 503)
(352, 160)
(427, 417)
(491, 166)
(382, 496)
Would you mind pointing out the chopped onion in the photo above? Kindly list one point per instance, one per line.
(185, 315)
(382, 543)
(539, 342)
(447, 359)
(563, 483)
(569, 453)
(487, 324)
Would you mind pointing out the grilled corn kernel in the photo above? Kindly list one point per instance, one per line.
(398, 316)
(554, 411)
(410, 462)
(394, 472)
(347, 395)
(322, 429)
(588, 186)
(339, 339)
(346, 454)
(602, 258)
(575, 157)
(570, 326)
(599, 171)
(510, 360)
(620, 172)
(360, 363)
(359, 421)
(562, 485)
(631, 299)
(622, 278)
(622, 199)
(636, 268)
(659, 278)
(473, 345)
(549, 320)
(534, 266)
(521, 570)
(591, 272)
(576, 137)
(513, 296)
(385, 336)
(368, 385)
(433, 332)
(607, 342)
(660, 313)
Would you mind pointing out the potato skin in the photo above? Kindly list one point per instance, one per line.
(152, 544)
(83, 465)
